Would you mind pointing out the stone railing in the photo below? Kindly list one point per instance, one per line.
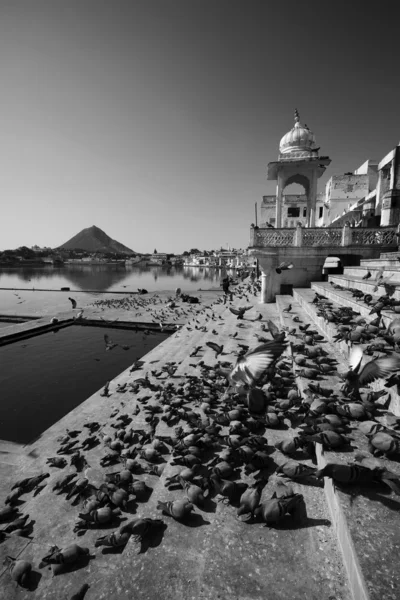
(382, 236)
(320, 236)
(273, 237)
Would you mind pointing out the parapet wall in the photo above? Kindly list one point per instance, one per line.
(308, 248)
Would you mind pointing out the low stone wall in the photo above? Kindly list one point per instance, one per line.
(308, 263)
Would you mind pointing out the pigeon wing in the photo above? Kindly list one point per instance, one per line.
(273, 329)
(379, 368)
(355, 358)
(234, 311)
(250, 367)
(214, 346)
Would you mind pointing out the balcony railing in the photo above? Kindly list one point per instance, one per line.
(319, 236)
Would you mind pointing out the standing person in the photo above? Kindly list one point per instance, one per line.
(225, 287)
(252, 275)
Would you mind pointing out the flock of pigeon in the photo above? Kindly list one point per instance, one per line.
(210, 423)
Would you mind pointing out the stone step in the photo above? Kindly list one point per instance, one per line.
(378, 263)
(304, 297)
(365, 519)
(344, 298)
(359, 272)
(390, 255)
(364, 286)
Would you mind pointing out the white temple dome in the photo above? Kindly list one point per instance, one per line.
(299, 142)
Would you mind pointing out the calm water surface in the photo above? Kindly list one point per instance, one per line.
(96, 278)
(44, 377)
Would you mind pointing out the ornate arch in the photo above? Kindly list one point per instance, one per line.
(300, 179)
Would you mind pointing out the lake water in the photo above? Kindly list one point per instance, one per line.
(46, 376)
(98, 278)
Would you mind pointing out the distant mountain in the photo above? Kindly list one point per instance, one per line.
(94, 239)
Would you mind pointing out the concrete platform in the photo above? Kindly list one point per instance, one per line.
(215, 555)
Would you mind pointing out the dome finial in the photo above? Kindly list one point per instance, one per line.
(296, 116)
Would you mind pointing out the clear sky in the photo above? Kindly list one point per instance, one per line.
(155, 119)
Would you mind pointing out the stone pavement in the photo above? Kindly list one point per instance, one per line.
(214, 555)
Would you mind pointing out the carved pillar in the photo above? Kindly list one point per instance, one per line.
(298, 236)
(278, 210)
(252, 236)
(346, 234)
(312, 199)
(264, 291)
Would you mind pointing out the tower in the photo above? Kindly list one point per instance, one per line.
(298, 162)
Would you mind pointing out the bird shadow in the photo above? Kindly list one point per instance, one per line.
(80, 464)
(153, 539)
(293, 523)
(131, 507)
(310, 482)
(209, 505)
(281, 427)
(145, 496)
(196, 520)
(381, 494)
(33, 581)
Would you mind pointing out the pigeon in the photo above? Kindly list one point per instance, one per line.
(239, 312)
(254, 363)
(216, 347)
(178, 509)
(284, 266)
(278, 335)
(110, 345)
(367, 275)
(19, 569)
(29, 484)
(375, 369)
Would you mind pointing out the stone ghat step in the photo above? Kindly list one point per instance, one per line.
(366, 519)
(378, 263)
(304, 297)
(364, 286)
(344, 297)
(215, 555)
(390, 255)
(392, 273)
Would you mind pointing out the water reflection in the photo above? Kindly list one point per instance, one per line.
(108, 277)
(198, 273)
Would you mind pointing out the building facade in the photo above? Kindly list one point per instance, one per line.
(294, 210)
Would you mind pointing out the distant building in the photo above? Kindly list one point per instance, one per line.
(342, 191)
(158, 258)
(39, 249)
